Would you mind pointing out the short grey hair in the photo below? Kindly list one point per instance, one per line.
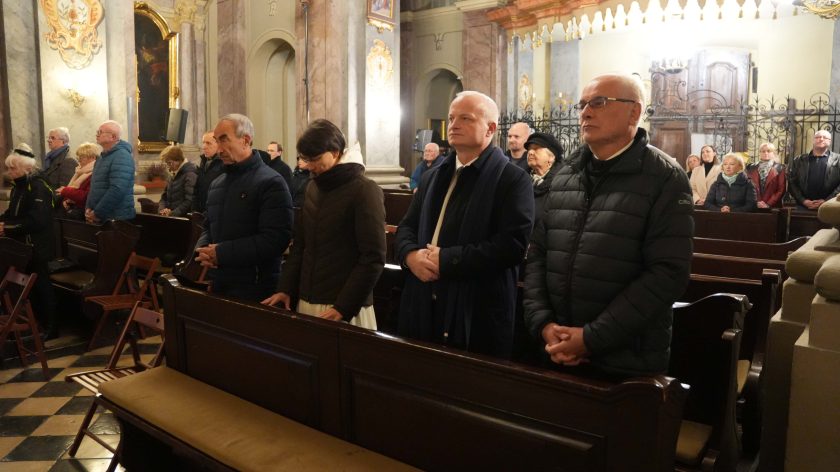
(21, 161)
(437, 148)
(115, 125)
(823, 132)
(488, 105)
(738, 158)
(242, 125)
(62, 132)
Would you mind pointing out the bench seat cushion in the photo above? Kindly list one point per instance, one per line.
(233, 431)
(73, 279)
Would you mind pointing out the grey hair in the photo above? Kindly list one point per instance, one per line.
(437, 147)
(115, 125)
(28, 164)
(823, 132)
(62, 132)
(488, 106)
(242, 124)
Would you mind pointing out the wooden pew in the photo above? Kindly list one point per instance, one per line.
(95, 256)
(805, 223)
(704, 353)
(734, 267)
(412, 401)
(397, 202)
(165, 237)
(763, 296)
(769, 226)
(729, 247)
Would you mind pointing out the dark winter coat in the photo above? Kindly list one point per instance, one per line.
(179, 191)
(541, 190)
(613, 258)
(112, 184)
(797, 178)
(300, 179)
(206, 173)
(29, 218)
(774, 185)
(61, 169)
(483, 240)
(249, 216)
(739, 197)
(338, 251)
(279, 166)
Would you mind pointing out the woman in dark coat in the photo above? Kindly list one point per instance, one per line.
(545, 156)
(338, 251)
(768, 177)
(177, 198)
(732, 191)
(29, 219)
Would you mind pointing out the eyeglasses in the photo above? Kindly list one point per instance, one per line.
(99, 132)
(309, 159)
(600, 102)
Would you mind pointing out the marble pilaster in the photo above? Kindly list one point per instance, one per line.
(834, 84)
(482, 62)
(200, 115)
(121, 72)
(231, 56)
(407, 73)
(186, 78)
(21, 38)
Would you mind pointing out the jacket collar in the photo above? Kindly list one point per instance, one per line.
(629, 162)
(252, 162)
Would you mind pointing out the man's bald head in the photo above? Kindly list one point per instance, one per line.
(517, 135)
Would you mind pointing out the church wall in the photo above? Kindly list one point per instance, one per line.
(21, 36)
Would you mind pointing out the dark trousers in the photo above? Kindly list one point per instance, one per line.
(43, 296)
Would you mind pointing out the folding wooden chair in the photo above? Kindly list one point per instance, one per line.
(17, 317)
(141, 317)
(128, 291)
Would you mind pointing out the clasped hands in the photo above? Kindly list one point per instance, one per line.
(206, 256)
(425, 263)
(565, 344)
(813, 204)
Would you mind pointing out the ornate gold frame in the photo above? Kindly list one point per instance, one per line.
(379, 21)
(142, 8)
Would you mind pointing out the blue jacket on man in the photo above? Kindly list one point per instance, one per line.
(111, 194)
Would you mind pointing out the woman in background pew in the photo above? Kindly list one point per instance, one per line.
(338, 251)
(732, 191)
(703, 176)
(74, 194)
(768, 177)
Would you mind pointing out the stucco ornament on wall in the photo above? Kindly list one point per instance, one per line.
(380, 65)
(72, 25)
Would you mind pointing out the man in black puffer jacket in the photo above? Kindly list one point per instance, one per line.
(613, 251)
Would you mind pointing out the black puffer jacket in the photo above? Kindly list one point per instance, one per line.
(29, 218)
(178, 195)
(614, 259)
(739, 197)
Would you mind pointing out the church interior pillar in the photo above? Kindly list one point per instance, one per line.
(231, 56)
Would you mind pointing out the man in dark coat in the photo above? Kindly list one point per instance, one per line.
(516, 138)
(464, 236)
(814, 178)
(210, 166)
(613, 249)
(249, 218)
(274, 158)
(58, 166)
(431, 157)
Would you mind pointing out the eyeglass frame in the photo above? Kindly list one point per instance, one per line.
(579, 106)
(308, 159)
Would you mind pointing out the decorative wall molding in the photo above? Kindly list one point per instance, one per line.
(380, 64)
(73, 29)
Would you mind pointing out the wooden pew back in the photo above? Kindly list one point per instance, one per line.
(396, 204)
(414, 401)
(165, 237)
(734, 267)
(728, 247)
(761, 226)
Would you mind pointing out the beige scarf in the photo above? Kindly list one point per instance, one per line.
(82, 174)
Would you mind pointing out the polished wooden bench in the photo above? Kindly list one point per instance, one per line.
(418, 403)
(769, 226)
(729, 247)
(93, 257)
(805, 223)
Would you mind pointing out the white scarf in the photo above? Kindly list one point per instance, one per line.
(82, 173)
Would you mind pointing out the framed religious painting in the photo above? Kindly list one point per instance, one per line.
(380, 13)
(156, 48)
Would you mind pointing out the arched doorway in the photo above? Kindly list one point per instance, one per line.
(272, 99)
(435, 91)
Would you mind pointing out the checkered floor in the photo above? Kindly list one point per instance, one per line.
(40, 417)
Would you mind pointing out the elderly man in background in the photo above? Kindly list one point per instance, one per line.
(209, 167)
(814, 178)
(430, 157)
(111, 195)
(59, 167)
(612, 251)
(464, 236)
(517, 135)
(249, 217)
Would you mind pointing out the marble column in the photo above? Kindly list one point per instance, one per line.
(565, 71)
(231, 57)
(186, 76)
(834, 86)
(21, 38)
(407, 74)
(482, 61)
(121, 72)
(200, 115)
